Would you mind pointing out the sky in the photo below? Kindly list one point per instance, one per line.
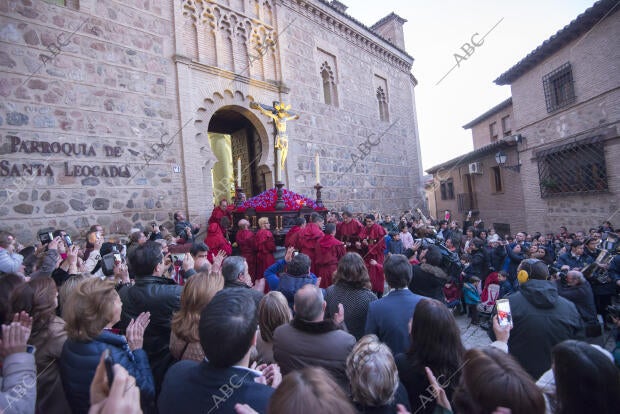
(437, 29)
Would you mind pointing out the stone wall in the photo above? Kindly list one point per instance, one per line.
(88, 100)
(106, 105)
(365, 163)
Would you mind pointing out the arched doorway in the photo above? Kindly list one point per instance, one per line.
(234, 140)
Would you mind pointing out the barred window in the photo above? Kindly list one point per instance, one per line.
(572, 169)
(559, 88)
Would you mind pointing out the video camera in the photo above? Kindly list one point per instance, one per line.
(558, 273)
(450, 261)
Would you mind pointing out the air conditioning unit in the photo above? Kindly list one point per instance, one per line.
(475, 168)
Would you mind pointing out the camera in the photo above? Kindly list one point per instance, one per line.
(67, 240)
(45, 237)
(425, 242)
(558, 273)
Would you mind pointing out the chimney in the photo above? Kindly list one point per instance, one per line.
(341, 7)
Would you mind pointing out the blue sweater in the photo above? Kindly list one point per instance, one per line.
(286, 283)
(79, 361)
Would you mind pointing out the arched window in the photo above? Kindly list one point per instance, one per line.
(330, 94)
(383, 106)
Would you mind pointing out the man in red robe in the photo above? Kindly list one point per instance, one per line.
(265, 247)
(308, 238)
(373, 245)
(247, 245)
(291, 237)
(224, 210)
(348, 232)
(328, 252)
(216, 241)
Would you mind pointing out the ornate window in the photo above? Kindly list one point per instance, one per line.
(330, 94)
(383, 106)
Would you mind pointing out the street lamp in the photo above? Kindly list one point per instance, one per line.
(501, 158)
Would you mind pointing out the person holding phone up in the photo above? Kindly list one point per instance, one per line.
(540, 318)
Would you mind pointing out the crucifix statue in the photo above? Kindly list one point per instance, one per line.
(280, 114)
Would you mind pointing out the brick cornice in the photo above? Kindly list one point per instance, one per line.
(356, 33)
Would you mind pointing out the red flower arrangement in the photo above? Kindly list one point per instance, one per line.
(266, 201)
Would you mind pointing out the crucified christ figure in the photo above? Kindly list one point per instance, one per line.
(280, 115)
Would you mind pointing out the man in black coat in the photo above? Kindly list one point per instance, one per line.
(576, 289)
(541, 319)
(227, 332)
(155, 294)
(497, 253)
(479, 260)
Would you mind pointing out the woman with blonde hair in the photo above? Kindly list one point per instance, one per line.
(90, 312)
(68, 287)
(197, 293)
(273, 311)
(39, 298)
(373, 376)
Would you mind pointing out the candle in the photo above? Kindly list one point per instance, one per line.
(317, 169)
(239, 172)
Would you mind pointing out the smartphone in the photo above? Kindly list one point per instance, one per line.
(109, 363)
(179, 257)
(117, 257)
(68, 241)
(295, 253)
(504, 316)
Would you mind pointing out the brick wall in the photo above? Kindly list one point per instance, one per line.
(594, 59)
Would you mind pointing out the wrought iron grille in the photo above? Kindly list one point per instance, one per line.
(559, 88)
(572, 169)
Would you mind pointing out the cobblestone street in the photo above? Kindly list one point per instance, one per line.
(472, 335)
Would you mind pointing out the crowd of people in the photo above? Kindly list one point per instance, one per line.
(358, 314)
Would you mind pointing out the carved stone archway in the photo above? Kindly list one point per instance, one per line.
(237, 102)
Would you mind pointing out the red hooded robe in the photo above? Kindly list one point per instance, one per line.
(216, 241)
(246, 241)
(348, 233)
(307, 239)
(265, 246)
(375, 237)
(328, 252)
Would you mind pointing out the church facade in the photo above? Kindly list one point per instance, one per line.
(119, 114)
